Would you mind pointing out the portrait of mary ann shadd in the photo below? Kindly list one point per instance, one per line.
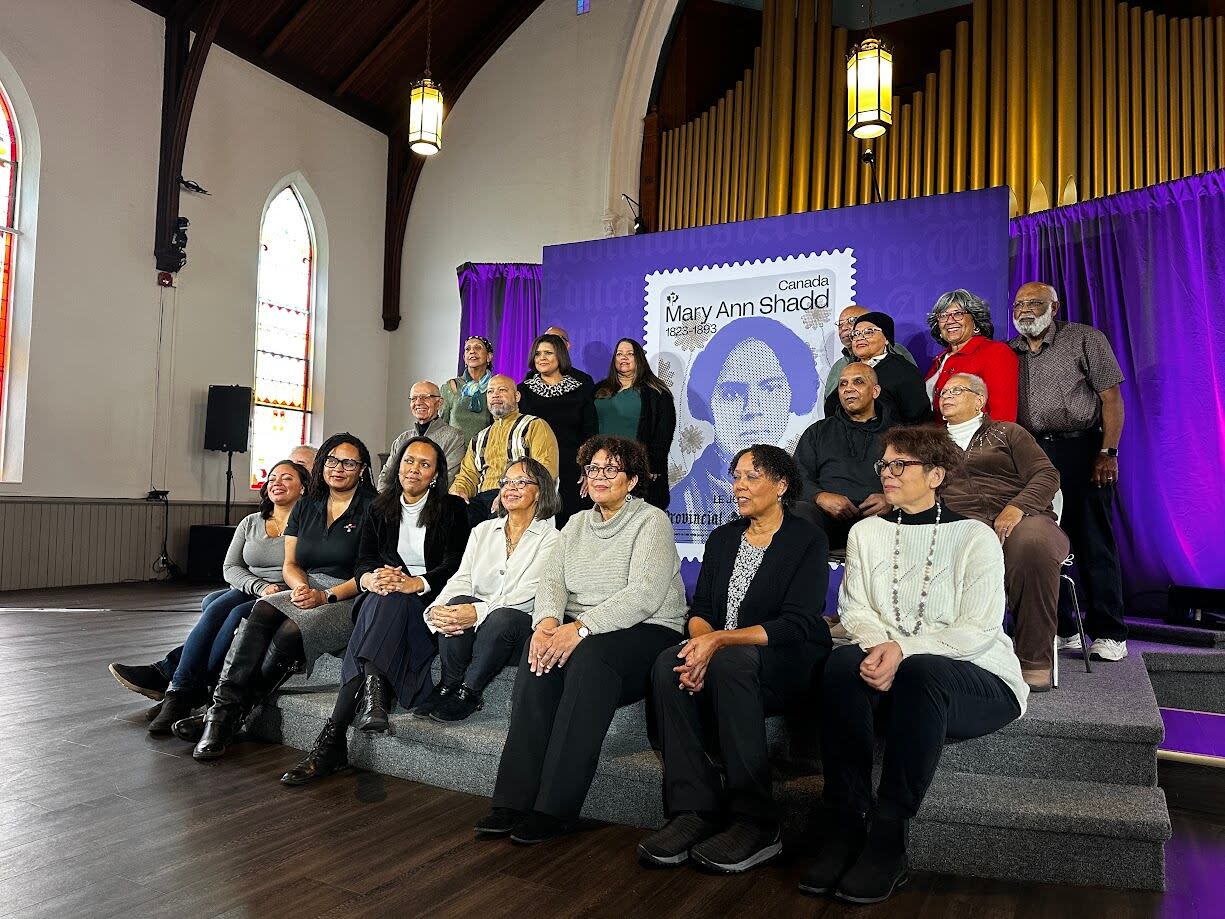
(750, 381)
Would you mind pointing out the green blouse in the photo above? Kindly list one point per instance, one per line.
(619, 414)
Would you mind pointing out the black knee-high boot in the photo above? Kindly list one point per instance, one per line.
(276, 667)
(233, 692)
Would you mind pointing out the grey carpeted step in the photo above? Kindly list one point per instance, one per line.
(1186, 678)
(1159, 631)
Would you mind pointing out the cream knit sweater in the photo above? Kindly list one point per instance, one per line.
(964, 613)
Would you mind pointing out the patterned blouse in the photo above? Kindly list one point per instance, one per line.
(748, 560)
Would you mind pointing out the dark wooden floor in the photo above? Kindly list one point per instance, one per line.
(99, 819)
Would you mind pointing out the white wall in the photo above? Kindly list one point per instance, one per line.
(524, 164)
(93, 70)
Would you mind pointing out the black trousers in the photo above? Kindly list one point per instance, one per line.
(1086, 518)
(744, 684)
(476, 656)
(836, 531)
(558, 720)
(932, 699)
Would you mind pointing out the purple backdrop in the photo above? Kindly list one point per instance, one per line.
(907, 252)
(1147, 267)
(501, 301)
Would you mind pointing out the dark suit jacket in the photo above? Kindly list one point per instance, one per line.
(786, 596)
(444, 546)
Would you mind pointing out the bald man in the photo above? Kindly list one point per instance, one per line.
(512, 436)
(846, 325)
(424, 403)
(839, 485)
(574, 371)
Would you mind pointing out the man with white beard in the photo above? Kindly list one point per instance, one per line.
(1071, 402)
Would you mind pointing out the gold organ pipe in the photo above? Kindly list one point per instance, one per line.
(661, 182)
(801, 139)
(1040, 146)
(902, 172)
(674, 197)
(836, 87)
(729, 144)
(917, 120)
(746, 144)
(667, 185)
(997, 150)
(765, 88)
(978, 129)
(733, 209)
(781, 100)
(929, 135)
(1212, 95)
(704, 169)
(1137, 98)
(818, 193)
(1084, 111)
(961, 107)
(1098, 97)
(1110, 100)
(716, 212)
(1015, 51)
(687, 179)
(1197, 92)
(1123, 96)
(711, 178)
(884, 155)
(1150, 98)
(1160, 75)
(850, 156)
(889, 184)
(691, 195)
(1067, 75)
(1175, 108)
(1220, 90)
(1188, 151)
(944, 122)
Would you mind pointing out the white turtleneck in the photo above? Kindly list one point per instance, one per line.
(963, 432)
(411, 544)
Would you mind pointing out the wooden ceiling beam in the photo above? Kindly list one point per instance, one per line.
(402, 32)
(287, 31)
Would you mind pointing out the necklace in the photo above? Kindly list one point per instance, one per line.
(512, 541)
(927, 576)
(280, 527)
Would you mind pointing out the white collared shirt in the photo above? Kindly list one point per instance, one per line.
(497, 581)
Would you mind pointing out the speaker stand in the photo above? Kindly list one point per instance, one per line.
(229, 483)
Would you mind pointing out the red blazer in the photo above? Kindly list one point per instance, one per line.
(995, 362)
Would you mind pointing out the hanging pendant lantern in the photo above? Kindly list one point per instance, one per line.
(425, 103)
(869, 89)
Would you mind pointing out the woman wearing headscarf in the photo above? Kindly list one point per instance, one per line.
(463, 397)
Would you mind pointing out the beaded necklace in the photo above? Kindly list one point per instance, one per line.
(927, 576)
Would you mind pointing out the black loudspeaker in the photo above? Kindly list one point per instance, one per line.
(228, 421)
(206, 548)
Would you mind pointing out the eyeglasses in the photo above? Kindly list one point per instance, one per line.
(845, 323)
(864, 333)
(348, 465)
(956, 391)
(602, 472)
(895, 467)
(951, 315)
(516, 484)
(1035, 305)
(426, 398)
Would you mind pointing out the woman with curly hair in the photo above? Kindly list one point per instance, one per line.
(962, 323)
(756, 640)
(608, 601)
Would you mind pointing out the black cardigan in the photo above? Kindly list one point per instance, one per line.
(786, 596)
(656, 425)
(444, 545)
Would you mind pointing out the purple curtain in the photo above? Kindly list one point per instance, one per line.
(501, 301)
(1147, 267)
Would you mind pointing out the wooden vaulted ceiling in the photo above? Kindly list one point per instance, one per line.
(359, 56)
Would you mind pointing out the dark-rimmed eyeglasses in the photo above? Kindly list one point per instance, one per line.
(348, 465)
(950, 315)
(602, 472)
(895, 467)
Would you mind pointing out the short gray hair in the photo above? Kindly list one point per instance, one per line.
(974, 305)
(548, 504)
(977, 384)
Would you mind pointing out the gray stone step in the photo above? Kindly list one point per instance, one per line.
(1159, 631)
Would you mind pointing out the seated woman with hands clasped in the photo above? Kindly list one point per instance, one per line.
(487, 619)
(610, 599)
(756, 641)
(923, 604)
(411, 543)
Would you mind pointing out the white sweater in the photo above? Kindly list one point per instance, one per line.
(964, 614)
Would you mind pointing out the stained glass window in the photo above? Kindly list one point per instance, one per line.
(286, 277)
(8, 224)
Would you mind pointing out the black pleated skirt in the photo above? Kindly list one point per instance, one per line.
(391, 634)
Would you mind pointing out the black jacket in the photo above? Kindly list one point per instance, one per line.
(656, 425)
(444, 546)
(836, 455)
(787, 595)
(901, 388)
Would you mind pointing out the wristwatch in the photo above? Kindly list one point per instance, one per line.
(583, 631)
(1110, 451)
(332, 598)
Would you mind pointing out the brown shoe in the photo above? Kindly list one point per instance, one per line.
(1038, 680)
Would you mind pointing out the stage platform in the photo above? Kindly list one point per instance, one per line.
(1068, 794)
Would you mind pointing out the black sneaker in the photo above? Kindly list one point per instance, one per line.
(499, 822)
(432, 701)
(742, 846)
(881, 868)
(458, 705)
(536, 828)
(843, 837)
(670, 844)
(177, 705)
(142, 678)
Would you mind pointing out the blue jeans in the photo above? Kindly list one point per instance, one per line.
(204, 651)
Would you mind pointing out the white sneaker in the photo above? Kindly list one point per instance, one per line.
(1108, 649)
(1071, 643)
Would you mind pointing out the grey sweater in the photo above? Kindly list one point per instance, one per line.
(254, 559)
(614, 573)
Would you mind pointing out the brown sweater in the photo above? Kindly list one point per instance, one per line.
(1003, 465)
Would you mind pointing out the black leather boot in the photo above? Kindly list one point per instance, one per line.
(329, 756)
(373, 719)
(231, 698)
(881, 868)
(843, 834)
(275, 669)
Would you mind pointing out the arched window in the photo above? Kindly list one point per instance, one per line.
(9, 158)
(283, 327)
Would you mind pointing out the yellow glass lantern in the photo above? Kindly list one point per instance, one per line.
(425, 113)
(869, 89)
